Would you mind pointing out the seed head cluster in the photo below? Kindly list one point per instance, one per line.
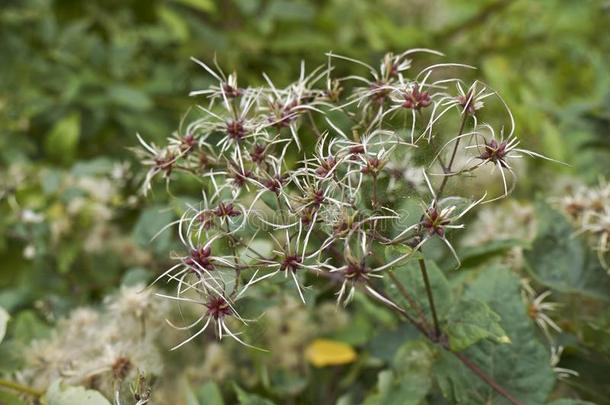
(319, 171)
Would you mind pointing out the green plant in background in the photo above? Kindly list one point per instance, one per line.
(79, 80)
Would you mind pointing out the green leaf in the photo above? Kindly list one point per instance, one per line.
(209, 394)
(246, 398)
(129, 97)
(474, 255)
(563, 262)
(410, 277)
(62, 140)
(150, 222)
(206, 6)
(8, 398)
(521, 367)
(570, 402)
(27, 327)
(410, 378)
(470, 321)
(60, 394)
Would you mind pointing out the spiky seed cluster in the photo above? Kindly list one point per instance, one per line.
(589, 210)
(331, 212)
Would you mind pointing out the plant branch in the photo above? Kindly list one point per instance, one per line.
(403, 291)
(21, 388)
(487, 378)
(455, 148)
(424, 273)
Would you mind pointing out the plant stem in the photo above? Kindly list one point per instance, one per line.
(465, 360)
(401, 311)
(403, 291)
(455, 148)
(486, 377)
(424, 273)
(21, 388)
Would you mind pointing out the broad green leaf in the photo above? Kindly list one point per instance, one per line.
(474, 255)
(521, 367)
(209, 394)
(470, 321)
(60, 394)
(563, 262)
(62, 140)
(410, 378)
(150, 222)
(410, 277)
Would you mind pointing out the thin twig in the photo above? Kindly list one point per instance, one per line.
(455, 148)
(403, 291)
(487, 378)
(21, 388)
(424, 273)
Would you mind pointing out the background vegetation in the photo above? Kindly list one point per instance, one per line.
(79, 79)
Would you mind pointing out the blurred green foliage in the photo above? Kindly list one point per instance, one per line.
(78, 80)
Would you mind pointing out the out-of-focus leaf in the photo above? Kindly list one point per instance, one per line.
(209, 394)
(60, 394)
(474, 255)
(8, 398)
(27, 326)
(206, 6)
(409, 380)
(563, 262)
(136, 276)
(470, 321)
(174, 21)
(4, 317)
(246, 398)
(325, 352)
(62, 140)
(129, 97)
(150, 222)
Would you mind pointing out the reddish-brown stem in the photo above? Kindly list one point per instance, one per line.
(453, 154)
(440, 339)
(486, 377)
(424, 273)
(403, 291)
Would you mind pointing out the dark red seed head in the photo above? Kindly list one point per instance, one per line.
(326, 167)
(218, 307)
(226, 210)
(494, 152)
(235, 130)
(258, 154)
(231, 91)
(165, 163)
(201, 258)
(356, 270)
(274, 184)
(416, 99)
(291, 263)
(434, 223)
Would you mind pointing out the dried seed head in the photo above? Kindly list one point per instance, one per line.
(200, 257)
(218, 307)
